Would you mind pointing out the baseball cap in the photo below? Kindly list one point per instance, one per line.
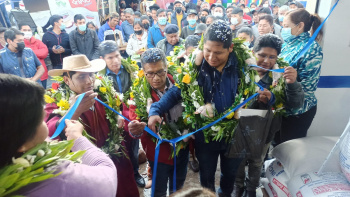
(192, 41)
(200, 28)
(175, 2)
(265, 10)
(192, 11)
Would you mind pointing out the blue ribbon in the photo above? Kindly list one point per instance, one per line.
(312, 39)
(280, 70)
(67, 116)
(178, 139)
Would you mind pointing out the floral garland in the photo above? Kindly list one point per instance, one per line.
(141, 97)
(36, 165)
(193, 98)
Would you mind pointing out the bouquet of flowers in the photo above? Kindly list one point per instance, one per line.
(278, 89)
(37, 164)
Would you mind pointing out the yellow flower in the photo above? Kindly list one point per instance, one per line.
(246, 91)
(270, 74)
(135, 66)
(63, 104)
(179, 70)
(177, 85)
(271, 86)
(136, 82)
(118, 102)
(230, 115)
(279, 105)
(133, 62)
(103, 90)
(186, 79)
(171, 63)
(48, 99)
(168, 58)
(182, 64)
(110, 105)
(132, 95)
(140, 73)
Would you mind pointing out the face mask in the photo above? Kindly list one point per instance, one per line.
(246, 43)
(219, 14)
(203, 19)
(20, 46)
(291, 9)
(138, 32)
(178, 10)
(137, 19)
(280, 18)
(162, 20)
(146, 26)
(234, 21)
(266, 5)
(192, 22)
(286, 33)
(27, 34)
(82, 27)
(63, 26)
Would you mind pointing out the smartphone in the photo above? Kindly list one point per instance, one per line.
(58, 46)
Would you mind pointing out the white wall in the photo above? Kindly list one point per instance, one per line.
(333, 110)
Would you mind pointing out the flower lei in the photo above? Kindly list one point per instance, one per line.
(141, 95)
(36, 165)
(192, 94)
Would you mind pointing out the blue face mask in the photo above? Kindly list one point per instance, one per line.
(63, 26)
(162, 20)
(280, 18)
(286, 33)
(246, 43)
(82, 27)
(192, 22)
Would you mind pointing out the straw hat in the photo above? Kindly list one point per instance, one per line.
(79, 63)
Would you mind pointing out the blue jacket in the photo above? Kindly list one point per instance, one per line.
(9, 63)
(184, 22)
(154, 36)
(105, 27)
(218, 88)
(50, 39)
(128, 29)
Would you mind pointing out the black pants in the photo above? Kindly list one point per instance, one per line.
(294, 127)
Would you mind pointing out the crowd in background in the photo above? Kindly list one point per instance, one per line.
(137, 27)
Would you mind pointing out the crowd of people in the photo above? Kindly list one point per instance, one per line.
(148, 35)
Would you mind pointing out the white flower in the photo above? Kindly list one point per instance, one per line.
(32, 159)
(183, 104)
(278, 88)
(242, 100)
(60, 112)
(171, 53)
(247, 78)
(195, 83)
(193, 95)
(130, 102)
(40, 153)
(49, 152)
(178, 132)
(196, 105)
(116, 147)
(257, 88)
(189, 120)
(97, 83)
(121, 96)
(215, 128)
(21, 161)
(257, 78)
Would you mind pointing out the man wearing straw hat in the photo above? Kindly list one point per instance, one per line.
(79, 77)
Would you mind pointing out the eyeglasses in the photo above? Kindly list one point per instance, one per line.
(160, 73)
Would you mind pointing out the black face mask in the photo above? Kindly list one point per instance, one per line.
(178, 10)
(20, 46)
(203, 19)
(146, 26)
(138, 32)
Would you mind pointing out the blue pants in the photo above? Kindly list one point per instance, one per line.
(165, 172)
(207, 155)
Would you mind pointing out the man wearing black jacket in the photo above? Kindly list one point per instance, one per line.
(57, 41)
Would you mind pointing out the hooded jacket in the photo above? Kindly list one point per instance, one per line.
(154, 36)
(135, 44)
(41, 52)
(51, 39)
(243, 24)
(86, 43)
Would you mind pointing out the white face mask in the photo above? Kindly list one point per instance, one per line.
(27, 34)
(234, 21)
(266, 5)
(219, 14)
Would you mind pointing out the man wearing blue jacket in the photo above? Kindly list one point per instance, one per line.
(218, 76)
(179, 17)
(156, 33)
(57, 41)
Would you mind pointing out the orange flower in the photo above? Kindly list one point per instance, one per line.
(140, 73)
(186, 79)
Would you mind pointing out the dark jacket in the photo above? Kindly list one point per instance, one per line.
(184, 22)
(163, 45)
(50, 39)
(86, 44)
(243, 24)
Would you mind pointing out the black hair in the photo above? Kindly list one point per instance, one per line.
(205, 10)
(219, 31)
(139, 22)
(230, 7)
(137, 13)
(242, 5)
(107, 47)
(247, 30)
(160, 11)
(78, 17)
(253, 4)
(21, 24)
(222, 7)
(122, 6)
(11, 34)
(90, 23)
(144, 17)
(268, 18)
(209, 16)
(269, 40)
(168, 10)
(54, 19)
(238, 11)
(2, 29)
(153, 55)
(69, 74)
(21, 112)
(265, 11)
